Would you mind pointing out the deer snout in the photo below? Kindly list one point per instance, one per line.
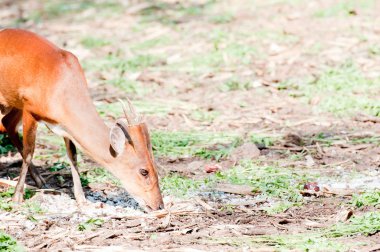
(159, 206)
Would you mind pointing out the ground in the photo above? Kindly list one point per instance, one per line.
(278, 100)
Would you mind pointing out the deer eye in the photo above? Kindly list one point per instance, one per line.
(144, 172)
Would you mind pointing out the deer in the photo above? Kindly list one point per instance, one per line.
(41, 83)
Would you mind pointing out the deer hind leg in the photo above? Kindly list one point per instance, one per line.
(10, 122)
(29, 138)
(72, 155)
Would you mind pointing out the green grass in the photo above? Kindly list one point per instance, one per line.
(90, 224)
(93, 42)
(222, 55)
(276, 36)
(234, 84)
(222, 18)
(344, 90)
(281, 242)
(156, 107)
(115, 66)
(151, 43)
(119, 63)
(369, 198)
(206, 145)
(9, 244)
(98, 175)
(269, 181)
(367, 224)
(180, 186)
(319, 240)
(173, 13)
(366, 140)
(281, 186)
(55, 8)
(6, 204)
(374, 50)
(263, 140)
(204, 116)
(6, 145)
(328, 140)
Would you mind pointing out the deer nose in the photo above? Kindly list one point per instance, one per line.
(161, 206)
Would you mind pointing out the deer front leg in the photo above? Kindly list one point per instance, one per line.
(72, 155)
(10, 122)
(29, 125)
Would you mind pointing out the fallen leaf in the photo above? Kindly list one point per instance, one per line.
(212, 168)
(313, 186)
(344, 215)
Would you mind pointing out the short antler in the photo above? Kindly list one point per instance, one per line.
(132, 118)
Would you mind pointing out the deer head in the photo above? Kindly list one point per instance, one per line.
(133, 159)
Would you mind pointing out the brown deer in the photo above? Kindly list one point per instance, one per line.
(40, 82)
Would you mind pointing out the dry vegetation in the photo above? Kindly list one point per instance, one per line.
(280, 97)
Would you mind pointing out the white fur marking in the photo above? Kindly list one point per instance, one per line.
(57, 129)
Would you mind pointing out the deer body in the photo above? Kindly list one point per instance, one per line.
(41, 83)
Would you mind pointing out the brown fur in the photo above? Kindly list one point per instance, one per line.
(40, 82)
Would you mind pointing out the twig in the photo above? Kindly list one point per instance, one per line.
(11, 183)
(203, 204)
(156, 214)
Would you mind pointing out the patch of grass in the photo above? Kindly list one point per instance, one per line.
(323, 240)
(120, 63)
(262, 141)
(55, 143)
(33, 207)
(344, 8)
(222, 18)
(221, 55)
(57, 166)
(6, 144)
(328, 140)
(367, 224)
(204, 116)
(269, 181)
(7, 243)
(116, 65)
(369, 198)
(5, 195)
(92, 42)
(99, 175)
(128, 86)
(186, 144)
(234, 84)
(297, 242)
(344, 90)
(179, 186)
(158, 107)
(56, 8)
(151, 43)
(173, 13)
(276, 36)
(374, 50)
(90, 224)
(6, 205)
(279, 207)
(366, 140)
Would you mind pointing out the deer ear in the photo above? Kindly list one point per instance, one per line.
(117, 140)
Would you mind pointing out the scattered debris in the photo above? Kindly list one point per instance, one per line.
(211, 168)
(344, 215)
(312, 186)
(235, 189)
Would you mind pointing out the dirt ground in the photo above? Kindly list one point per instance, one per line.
(268, 44)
